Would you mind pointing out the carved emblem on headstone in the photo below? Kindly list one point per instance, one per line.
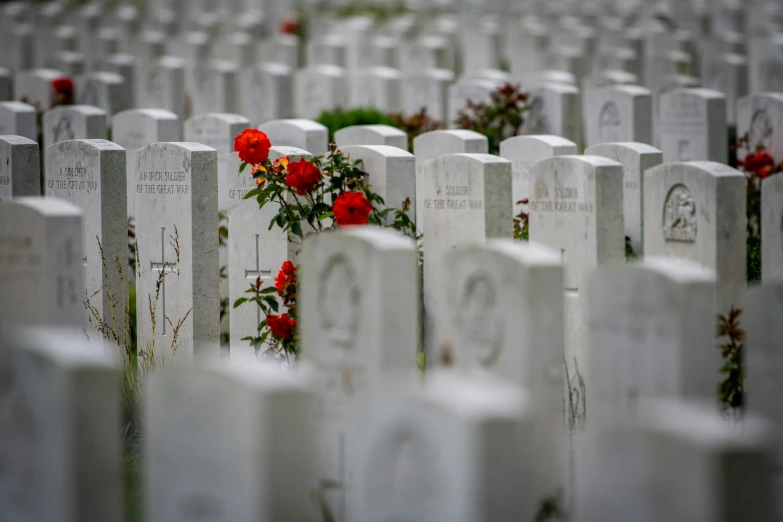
(338, 303)
(479, 319)
(760, 131)
(609, 123)
(64, 129)
(679, 215)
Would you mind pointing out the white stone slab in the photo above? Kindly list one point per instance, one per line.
(692, 125)
(216, 88)
(469, 88)
(635, 158)
(761, 117)
(371, 135)
(302, 134)
(267, 92)
(34, 86)
(91, 175)
(427, 89)
(74, 122)
(106, 90)
(20, 167)
(359, 328)
(320, 88)
(618, 113)
(696, 211)
(772, 229)
(164, 85)
(726, 73)
(42, 275)
(554, 109)
(136, 128)
(228, 442)
(177, 195)
(378, 87)
(19, 119)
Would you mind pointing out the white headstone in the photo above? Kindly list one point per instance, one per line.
(618, 113)
(267, 93)
(371, 135)
(427, 89)
(302, 134)
(216, 88)
(635, 158)
(41, 262)
(692, 125)
(554, 109)
(164, 85)
(60, 403)
(177, 240)
(696, 211)
(136, 128)
(772, 229)
(20, 167)
(91, 175)
(320, 88)
(6, 82)
(378, 87)
(469, 88)
(106, 90)
(726, 73)
(228, 443)
(359, 327)
(19, 119)
(34, 86)
(73, 122)
(761, 117)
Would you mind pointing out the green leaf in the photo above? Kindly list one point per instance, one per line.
(296, 228)
(272, 302)
(280, 220)
(268, 290)
(252, 193)
(242, 167)
(325, 215)
(240, 301)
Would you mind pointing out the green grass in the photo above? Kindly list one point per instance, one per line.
(134, 506)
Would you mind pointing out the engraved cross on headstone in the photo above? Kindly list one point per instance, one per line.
(252, 275)
(164, 267)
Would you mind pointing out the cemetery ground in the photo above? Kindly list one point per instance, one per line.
(371, 261)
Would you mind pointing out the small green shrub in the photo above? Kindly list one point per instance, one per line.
(338, 119)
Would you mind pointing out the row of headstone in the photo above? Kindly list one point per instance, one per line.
(354, 428)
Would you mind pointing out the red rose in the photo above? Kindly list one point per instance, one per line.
(253, 146)
(288, 26)
(759, 160)
(351, 208)
(285, 276)
(63, 91)
(303, 176)
(282, 326)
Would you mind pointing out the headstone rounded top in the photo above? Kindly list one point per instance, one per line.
(276, 68)
(158, 114)
(17, 140)
(635, 90)
(96, 144)
(46, 205)
(681, 270)
(326, 70)
(527, 252)
(594, 161)
(48, 74)
(226, 117)
(384, 72)
(104, 76)
(86, 110)
(483, 159)
(17, 106)
(639, 148)
(557, 87)
(385, 151)
(187, 146)
(384, 130)
(456, 134)
(547, 139)
(281, 151)
(381, 238)
(701, 92)
(64, 346)
(712, 168)
(303, 124)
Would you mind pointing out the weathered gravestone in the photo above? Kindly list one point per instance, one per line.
(438, 143)
(60, 418)
(378, 87)
(164, 85)
(254, 250)
(618, 113)
(465, 198)
(91, 175)
(18, 119)
(136, 128)
(692, 125)
(320, 88)
(106, 90)
(503, 316)
(696, 211)
(760, 116)
(649, 335)
(675, 461)
(177, 240)
(408, 451)
(427, 89)
(302, 134)
(41, 271)
(635, 158)
(772, 228)
(554, 109)
(6, 82)
(726, 73)
(523, 151)
(267, 92)
(391, 172)
(371, 135)
(20, 167)
(34, 86)
(469, 88)
(215, 88)
(229, 443)
(73, 122)
(576, 207)
(359, 328)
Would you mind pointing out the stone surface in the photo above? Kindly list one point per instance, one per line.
(19, 119)
(135, 128)
(302, 134)
(761, 117)
(319, 88)
(177, 239)
(106, 90)
(164, 85)
(60, 417)
(391, 172)
(554, 109)
(267, 93)
(34, 86)
(228, 442)
(696, 211)
(618, 113)
(522, 152)
(42, 276)
(428, 89)
(635, 158)
(20, 167)
(359, 328)
(254, 250)
(772, 229)
(371, 135)
(692, 125)
(91, 175)
(216, 87)
(477, 90)
(74, 122)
